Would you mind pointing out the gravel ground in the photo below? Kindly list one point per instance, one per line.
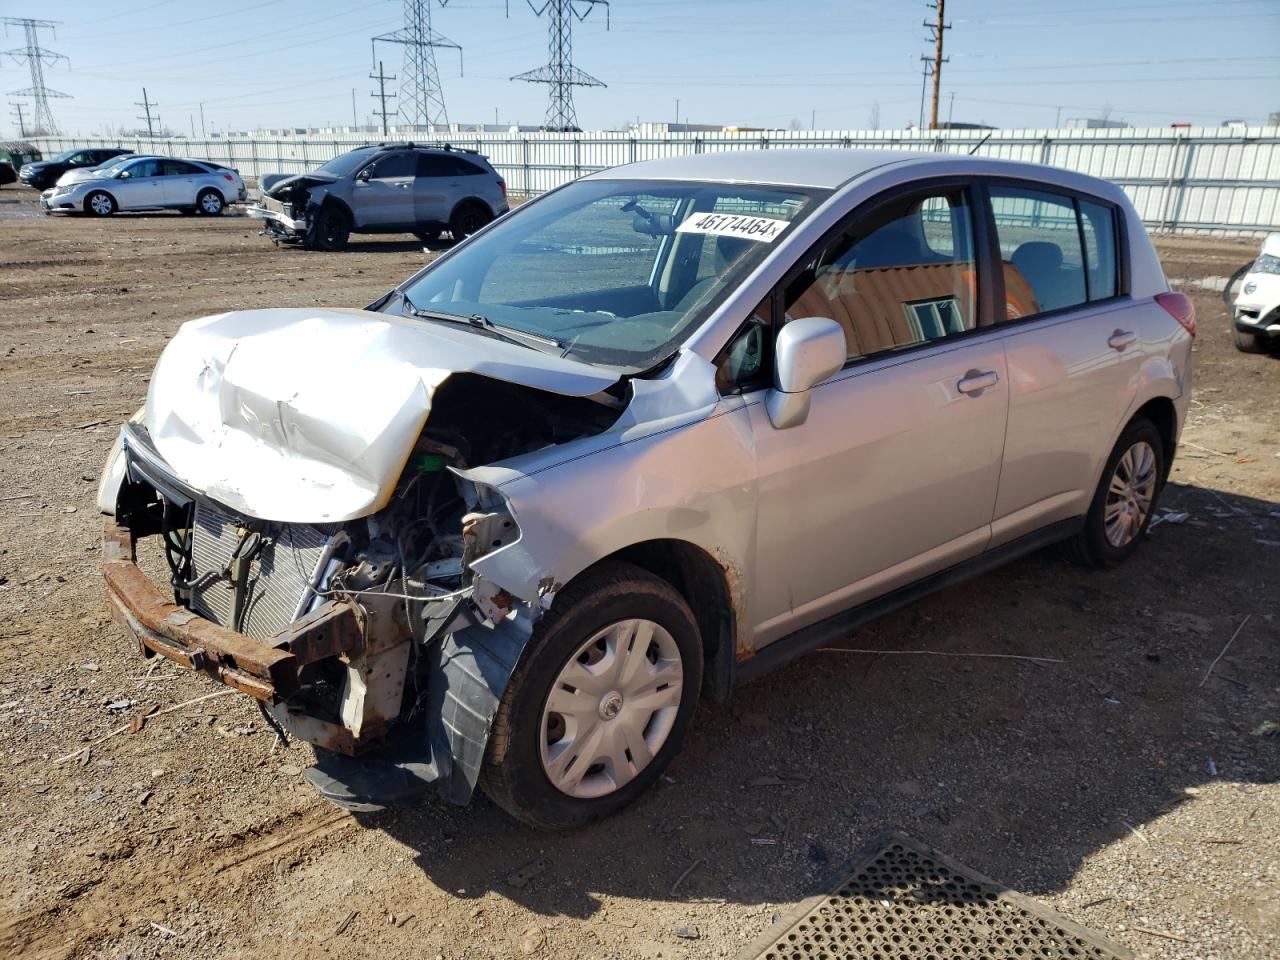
(1117, 787)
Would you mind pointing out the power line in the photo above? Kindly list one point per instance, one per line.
(422, 99)
(36, 57)
(560, 74)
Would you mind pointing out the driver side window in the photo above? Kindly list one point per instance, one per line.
(395, 166)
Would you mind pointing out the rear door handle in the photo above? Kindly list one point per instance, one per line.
(1121, 339)
(975, 381)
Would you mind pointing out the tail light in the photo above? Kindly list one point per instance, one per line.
(502, 185)
(227, 177)
(1180, 307)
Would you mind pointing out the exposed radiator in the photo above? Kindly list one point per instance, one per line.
(278, 576)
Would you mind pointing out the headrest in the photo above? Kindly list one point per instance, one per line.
(1037, 256)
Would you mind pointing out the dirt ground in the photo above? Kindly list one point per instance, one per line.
(1119, 787)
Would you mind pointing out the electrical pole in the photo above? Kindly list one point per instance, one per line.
(924, 82)
(36, 57)
(422, 99)
(382, 95)
(22, 126)
(203, 132)
(936, 31)
(146, 105)
(355, 122)
(560, 74)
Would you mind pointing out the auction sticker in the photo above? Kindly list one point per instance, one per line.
(762, 229)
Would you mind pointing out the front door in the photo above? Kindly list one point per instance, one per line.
(893, 475)
(384, 200)
(142, 187)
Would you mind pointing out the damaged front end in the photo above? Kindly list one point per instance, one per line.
(288, 206)
(369, 636)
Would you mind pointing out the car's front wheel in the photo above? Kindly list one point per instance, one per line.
(331, 229)
(1247, 342)
(1123, 504)
(99, 204)
(599, 703)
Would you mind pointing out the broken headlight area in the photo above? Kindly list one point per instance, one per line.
(371, 638)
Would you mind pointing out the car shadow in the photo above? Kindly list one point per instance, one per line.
(1022, 769)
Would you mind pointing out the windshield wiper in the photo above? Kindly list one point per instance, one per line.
(522, 338)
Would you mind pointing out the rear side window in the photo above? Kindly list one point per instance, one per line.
(443, 165)
(903, 274)
(178, 168)
(1040, 246)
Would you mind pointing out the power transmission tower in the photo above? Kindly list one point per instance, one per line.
(146, 105)
(936, 30)
(22, 126)
(421, 98)
(382, 95)
(560, 73)
(36, 57)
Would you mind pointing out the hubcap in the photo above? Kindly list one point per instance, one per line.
(1129, 494)
(611, 709)
(211, 203)
(101, 204)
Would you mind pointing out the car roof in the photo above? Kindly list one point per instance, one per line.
(824, 168)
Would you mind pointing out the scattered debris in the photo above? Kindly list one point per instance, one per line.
(1169, 516)
(1223, 651)
(162, 929)
(139, 719)
(1096, 903)
(532, 940)
(346, 922)
(521, 878)
(767, 781)
(174, 708)
(688, 933)
(120, 705)
(1211, 768)
(681, 879)
(1268, 728)
(289, 770)
(1161, 933)
(95, 796)
(142, 800)
(91, 667)
(764, 841)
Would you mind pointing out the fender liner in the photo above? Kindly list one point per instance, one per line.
(468, 672)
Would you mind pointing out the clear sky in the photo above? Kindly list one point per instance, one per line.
(1014, 63)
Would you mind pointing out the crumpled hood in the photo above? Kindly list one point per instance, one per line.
(273, 183)
(308, 416)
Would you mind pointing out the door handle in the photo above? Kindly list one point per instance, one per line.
(1121, 339)
(975, 381)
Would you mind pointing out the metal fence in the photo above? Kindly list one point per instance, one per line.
(1209, 179)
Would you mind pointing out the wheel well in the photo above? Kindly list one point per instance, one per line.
(469, 202)
(698, 578)
(1164, 418)
(105, 193)
(332, 203)
(213, 189)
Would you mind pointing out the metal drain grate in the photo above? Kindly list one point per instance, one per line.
(904, 900)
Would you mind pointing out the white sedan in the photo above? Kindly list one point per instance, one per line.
(149, 183)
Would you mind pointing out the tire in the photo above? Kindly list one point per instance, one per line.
(331, 229)
(469, 217)
(209, 203)
(530, 741)
(1247, 342)
(1113, 510)
(428, 236)
(100, 204)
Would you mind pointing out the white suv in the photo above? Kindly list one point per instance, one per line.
(649, 436)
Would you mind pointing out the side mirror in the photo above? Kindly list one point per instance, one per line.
(364, 175)
(808, 351)
(123, 175)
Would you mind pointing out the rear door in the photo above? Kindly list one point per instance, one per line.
(435, 183)
(384, 200)
(1074, 350)
(181, 182)
(893, 476)
(143, 187)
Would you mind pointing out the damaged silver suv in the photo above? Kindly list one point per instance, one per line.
(655, 433)
(388, 188)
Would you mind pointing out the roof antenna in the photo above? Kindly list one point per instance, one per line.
(980, 143)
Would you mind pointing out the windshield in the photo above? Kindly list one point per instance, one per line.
(114, 162)
(615, 272)
(347, 163)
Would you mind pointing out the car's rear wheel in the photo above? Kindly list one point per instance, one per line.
(1247, 342)
(467, 219)
(331, 229)
(1123, 504)
(599, 703)
(209, 203)
(99, 204)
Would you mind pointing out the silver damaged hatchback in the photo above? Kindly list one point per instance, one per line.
(651, 435)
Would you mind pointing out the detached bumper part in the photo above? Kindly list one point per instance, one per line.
(279, 219)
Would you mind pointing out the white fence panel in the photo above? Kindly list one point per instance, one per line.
(1205, 180)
